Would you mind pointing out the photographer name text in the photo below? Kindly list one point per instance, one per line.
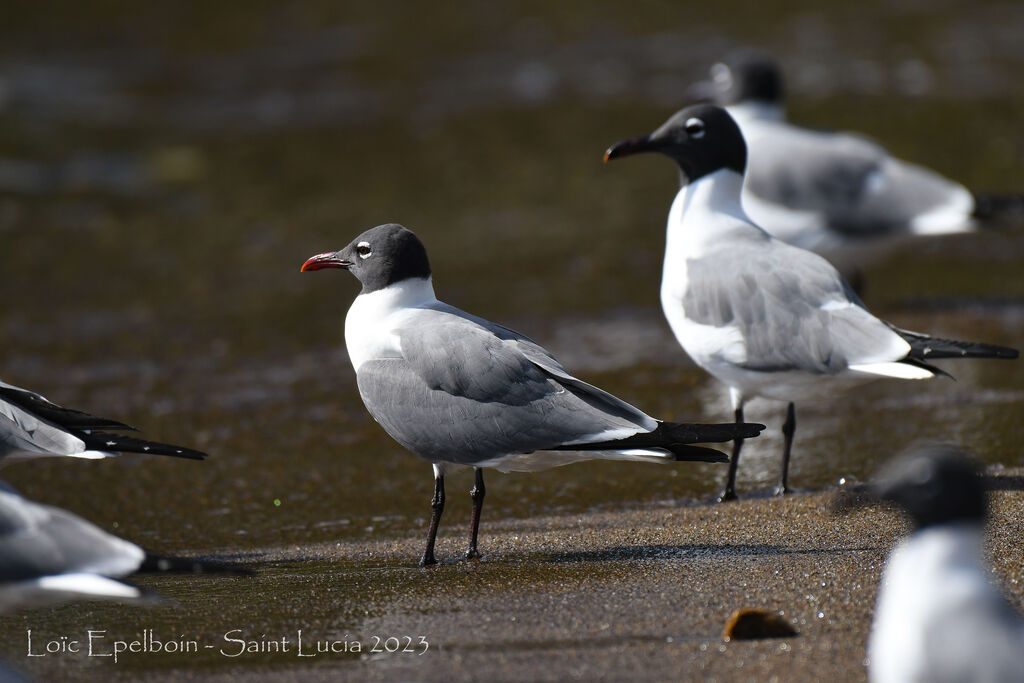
(233, 643)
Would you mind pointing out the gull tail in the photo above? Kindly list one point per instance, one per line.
(992, 207)
(117, 443)
(923, 347)
(677, 438)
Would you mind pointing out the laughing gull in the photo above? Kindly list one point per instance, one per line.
(456, 389)
(767, 318)
(818, 189)
(50, 555)
(938, 617)
(32, 427)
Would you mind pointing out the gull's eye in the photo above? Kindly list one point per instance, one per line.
(363, 249)
(694, 128)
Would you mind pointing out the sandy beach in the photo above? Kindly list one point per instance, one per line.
(166, 168)
(608, 595)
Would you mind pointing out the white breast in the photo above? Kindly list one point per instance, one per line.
(925, 578)
(703, 213)
(373, 318)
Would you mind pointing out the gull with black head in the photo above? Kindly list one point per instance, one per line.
(820, 189)
(937, 616)
(456, 389)
(766, 318)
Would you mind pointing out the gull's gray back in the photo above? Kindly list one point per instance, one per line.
(467, 390)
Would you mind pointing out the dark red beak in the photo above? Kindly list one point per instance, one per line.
(632, 146)
(326, 260)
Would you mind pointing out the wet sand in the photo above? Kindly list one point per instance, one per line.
(606, 595)
(177, 166)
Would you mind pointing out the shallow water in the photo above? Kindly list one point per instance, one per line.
(164, 173)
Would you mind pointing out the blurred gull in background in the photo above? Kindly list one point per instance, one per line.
(938, 617)
(818, 189)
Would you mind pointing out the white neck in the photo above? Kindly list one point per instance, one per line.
(745, 112)
(702, 211)
(705, 215)
(718, 191)
(373, 316)
(413, 291)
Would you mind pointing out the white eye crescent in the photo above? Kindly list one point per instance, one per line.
(695, 128)
(363, 249)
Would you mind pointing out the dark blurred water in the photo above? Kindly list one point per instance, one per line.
(165, 170)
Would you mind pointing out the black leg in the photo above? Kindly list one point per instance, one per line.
(436, 507)
(477, 495)
(729, 493)
(788, 429)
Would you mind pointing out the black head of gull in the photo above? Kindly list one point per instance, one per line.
(702, 139)
(379, 257)
(744, 76)
(933, 485)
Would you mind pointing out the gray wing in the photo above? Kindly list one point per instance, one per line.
(542, 358)
(811, 171)
(791, 307)
(467, 392)
(850, 180)
(31, 424)
(39, 540)
(23, 432)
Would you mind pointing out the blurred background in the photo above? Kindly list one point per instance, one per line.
(166, 168)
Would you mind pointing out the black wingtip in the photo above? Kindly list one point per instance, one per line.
(62, 417)
(749, 430)
(118, 443)
(925, 347)
(156, 563)
(714, 433)
(687, 453)
(993, 207)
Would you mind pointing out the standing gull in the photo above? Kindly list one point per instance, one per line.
(456, 389)
(32, 427)
(766, 318)
(938, 617)
(818, 189)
